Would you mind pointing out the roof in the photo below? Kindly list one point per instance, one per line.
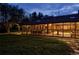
(56, 19)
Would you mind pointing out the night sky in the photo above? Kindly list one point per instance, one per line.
(55, 9)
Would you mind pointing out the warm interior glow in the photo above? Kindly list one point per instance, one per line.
(54, 29)
(67, 34)
(55, 32)
(29, 32)
(50, 24)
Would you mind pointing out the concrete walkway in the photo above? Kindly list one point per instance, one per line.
(72, 42)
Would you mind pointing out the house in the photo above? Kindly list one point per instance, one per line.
(59, 26)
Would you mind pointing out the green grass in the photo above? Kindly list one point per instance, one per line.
(32, 45)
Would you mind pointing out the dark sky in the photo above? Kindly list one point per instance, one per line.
(50, 8)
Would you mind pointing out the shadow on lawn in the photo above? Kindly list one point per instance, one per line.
(32, 45)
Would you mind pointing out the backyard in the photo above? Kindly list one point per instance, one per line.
(32, 45)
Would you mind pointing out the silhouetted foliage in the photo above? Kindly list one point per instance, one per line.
(4, 11)
(11, 13)
(14, 28)
(2, 28)
(40, 15)
(34, 16)
(25, 20)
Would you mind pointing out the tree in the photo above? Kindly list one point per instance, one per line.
(34, 16)
(11, 13)
(4, 11)
(16, 14)
(25, 20)
(40, 15)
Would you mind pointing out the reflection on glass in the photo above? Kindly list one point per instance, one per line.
(54, 29)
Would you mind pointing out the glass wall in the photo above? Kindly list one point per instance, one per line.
(66, 29)
(69, 29)
(77, 30)
(62, 29)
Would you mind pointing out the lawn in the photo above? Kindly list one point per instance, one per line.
(32, 45)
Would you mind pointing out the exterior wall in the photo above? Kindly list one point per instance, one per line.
(70, 29)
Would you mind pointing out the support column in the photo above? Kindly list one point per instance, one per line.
(75, 30)
(8, 28)
(63, 29)
(18, 28)
(57, 30)
(70, 30)
(47, 28)
(52, 29)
